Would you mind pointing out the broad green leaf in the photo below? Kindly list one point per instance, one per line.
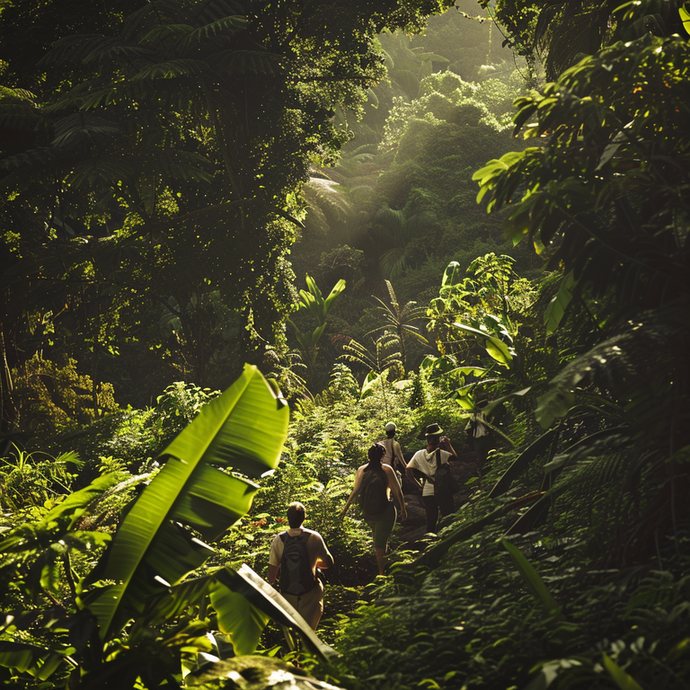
(337, 289)
(470, 329)
(684, 11)
(317, 333)
(556, 309)
(26, 658)
(533, 580)
(270, 602)
(470, 371)
(452, 274)
(622, 679)
(465, 402)
(498, 350)
(553, 404)
(154, 547)
(254, 673)
(238, 617)
(369, 381)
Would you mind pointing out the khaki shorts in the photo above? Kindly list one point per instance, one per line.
(309, 605)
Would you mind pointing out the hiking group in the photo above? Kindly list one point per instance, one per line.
(299, 554)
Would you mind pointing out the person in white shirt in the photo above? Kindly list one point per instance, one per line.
(309, 601)
(438, 451)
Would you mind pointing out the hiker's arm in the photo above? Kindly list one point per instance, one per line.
(324, 560)
(445, 444)
(395, 488)
(410, 475)
(355, 490)
(397, 454)
(273, 562)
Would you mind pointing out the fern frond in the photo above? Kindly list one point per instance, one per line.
(215, 10)
(247, 62)
(390, 218)
(18, 95)
(76, 131)
(18, 116)
(40, 157)
(172, 69)
(226, 25)
(621, 364)
(392, 263)
(108, 170)
(94, 47)
(167, 32)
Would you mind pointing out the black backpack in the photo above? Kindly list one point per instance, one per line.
(296, 576)
(374, 499)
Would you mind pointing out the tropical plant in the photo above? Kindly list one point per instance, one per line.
(393, 231)
(132, 617)
(400, 321)
(312, 301)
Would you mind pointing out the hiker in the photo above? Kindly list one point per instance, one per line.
(393, 456)
(426, 462)
(297, 554)
(374, 482)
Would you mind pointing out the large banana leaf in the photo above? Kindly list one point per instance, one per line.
(244, 601)
(155, 547)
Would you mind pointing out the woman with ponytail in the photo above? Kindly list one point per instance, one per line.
(374, 482)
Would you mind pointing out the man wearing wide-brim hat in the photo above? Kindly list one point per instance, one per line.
(438, 452)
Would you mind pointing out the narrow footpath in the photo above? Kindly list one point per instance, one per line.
(414, 528)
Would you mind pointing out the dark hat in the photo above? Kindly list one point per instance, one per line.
(432, 430)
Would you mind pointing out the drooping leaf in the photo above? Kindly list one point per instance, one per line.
(622, 679)
(451, 276)
(533, 580)
(268, 601)
(39, 662)
(498, 350)
(684, 11)
(520, 464)
(238, 617)
(555, 311)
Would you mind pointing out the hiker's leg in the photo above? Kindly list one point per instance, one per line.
(381, 530)
(431, 509)
(310, 605)
(447, 506)
(379, 559)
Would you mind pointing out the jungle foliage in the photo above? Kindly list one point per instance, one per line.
(565, 564)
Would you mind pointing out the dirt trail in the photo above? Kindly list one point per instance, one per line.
(414, 528)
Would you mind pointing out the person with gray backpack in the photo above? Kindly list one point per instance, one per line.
(298, 555)
(374, 482)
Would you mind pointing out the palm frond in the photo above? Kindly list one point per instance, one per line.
(172, 69)
(94, 47)
(227, 25)
(620, 365)
(247, 62)
(215, 10)
(16, 95)
(78, 131)
(18, 116)
(392, 263)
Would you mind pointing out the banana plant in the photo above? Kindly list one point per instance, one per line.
(132, 625)
(313, 302)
